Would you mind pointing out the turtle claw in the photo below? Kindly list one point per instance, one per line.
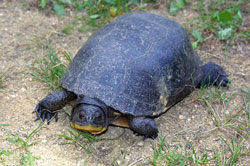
(44, 114)
(145, 136)
(222, 79)
(154, 136)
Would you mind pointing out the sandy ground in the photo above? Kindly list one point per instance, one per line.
(22, 32)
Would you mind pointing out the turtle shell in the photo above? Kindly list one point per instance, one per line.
(141, 64)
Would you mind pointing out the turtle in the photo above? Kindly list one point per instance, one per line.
(129, 72)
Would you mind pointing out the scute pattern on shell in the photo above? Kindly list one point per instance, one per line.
(140, 64)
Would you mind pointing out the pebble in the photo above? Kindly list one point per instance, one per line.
(100, 165)
(140, 143)
(13, 95)
(182, 117)
(127, 158)
(44, 141)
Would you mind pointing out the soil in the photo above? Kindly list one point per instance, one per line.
(24, 29)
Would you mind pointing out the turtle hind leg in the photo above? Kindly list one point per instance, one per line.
(144, 126)
(213, 74)
(47, 107)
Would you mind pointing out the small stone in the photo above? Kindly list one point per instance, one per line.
(182, 117)
(140, 143)
(13, 95)
(188, 119)
(100, 165)
(44, 141)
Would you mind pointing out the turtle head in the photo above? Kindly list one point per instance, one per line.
(90, 115)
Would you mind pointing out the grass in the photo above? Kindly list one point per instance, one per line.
(176, 6)
(29, 159)
(99, 12)
(1, 80)
(3, 124)
(2, 77)
(229, 119)
(26, 157)
(121, 161)
(221, 19)
(231, 151)
(164, 155)
(3, 155)
(228, 154)
(50, 69)
(24, 143)
(75, 137)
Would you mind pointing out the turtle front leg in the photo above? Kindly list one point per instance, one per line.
(144, 126)
(48, 106)
(213, 74)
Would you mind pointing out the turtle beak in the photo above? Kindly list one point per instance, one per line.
(90, 119)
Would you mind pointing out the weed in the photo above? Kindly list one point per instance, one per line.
(220, 18)
(50, 69)
(24, 143)
(4, 152)
(2, 77)
(122, 160)
(164, 155)
(1, 80)
(227, 154)
(198, 36)
(3, 124)
(29, 159)
(74, 139)
(177, 5)
(99, 12)
(230, 152)
(76, 136)
(225, 118)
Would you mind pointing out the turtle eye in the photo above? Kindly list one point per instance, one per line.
(81, 116)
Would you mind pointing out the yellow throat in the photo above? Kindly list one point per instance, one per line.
(88, 128)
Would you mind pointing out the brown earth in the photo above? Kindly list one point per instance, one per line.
(22, 32)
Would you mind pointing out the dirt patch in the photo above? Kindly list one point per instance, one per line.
(22, 32)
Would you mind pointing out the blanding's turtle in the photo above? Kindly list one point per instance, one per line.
(127, 73)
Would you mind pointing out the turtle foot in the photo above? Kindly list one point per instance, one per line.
(47, 108)
(144, 126)
(213, 75)
(44, 114)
